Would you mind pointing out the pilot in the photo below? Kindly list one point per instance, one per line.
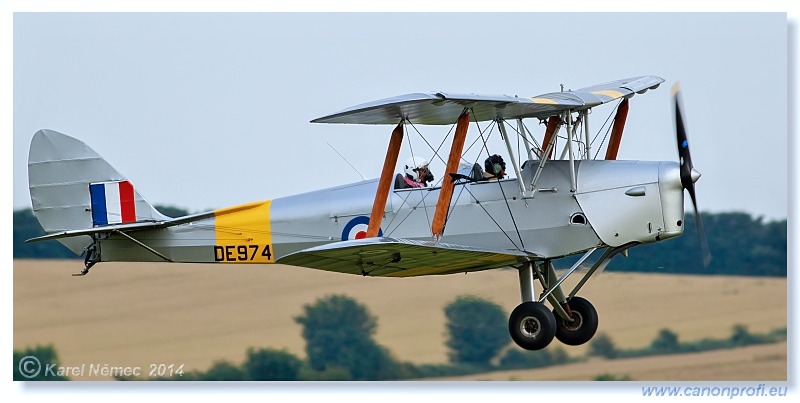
(495, 168)
(417, 173)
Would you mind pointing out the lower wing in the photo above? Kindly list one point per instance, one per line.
(394, 257)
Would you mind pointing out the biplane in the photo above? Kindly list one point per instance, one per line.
(547, 208)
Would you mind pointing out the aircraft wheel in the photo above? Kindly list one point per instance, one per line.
(583, 326)
(532, 325)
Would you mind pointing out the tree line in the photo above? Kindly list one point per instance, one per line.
(340, 346)
(740, 245)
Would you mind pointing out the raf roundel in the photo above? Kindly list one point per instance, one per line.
(357, 229)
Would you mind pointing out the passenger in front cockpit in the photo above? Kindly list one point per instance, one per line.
(417, 174)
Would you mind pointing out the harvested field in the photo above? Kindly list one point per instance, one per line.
(136, 314)
(765, 362)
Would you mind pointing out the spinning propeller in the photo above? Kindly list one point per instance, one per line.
(688, 174)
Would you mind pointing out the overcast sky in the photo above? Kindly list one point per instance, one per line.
(209, 110)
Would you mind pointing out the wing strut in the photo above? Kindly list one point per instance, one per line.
(385, 182)
(616, 131)
(521, 130)
(502, 125)
(446, 192)
(149, 249)
(552, 125)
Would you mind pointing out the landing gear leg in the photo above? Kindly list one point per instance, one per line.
(531, 325)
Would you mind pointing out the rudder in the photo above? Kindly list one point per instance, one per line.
(72, 187)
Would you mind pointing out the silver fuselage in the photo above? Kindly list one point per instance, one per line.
(614, 203)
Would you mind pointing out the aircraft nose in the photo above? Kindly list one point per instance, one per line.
(695, 175)
(670, 176)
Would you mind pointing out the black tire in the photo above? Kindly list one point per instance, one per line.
(532, 325)
(584, 326)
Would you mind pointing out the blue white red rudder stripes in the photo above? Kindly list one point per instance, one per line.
(113, 203)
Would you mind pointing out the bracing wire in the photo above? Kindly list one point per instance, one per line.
(412, 156)
(492, 218)
(607, 131)
(505, 199)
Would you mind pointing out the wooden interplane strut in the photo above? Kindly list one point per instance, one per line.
(385, 182)
(446, 192)
(616, 130)
(552, 125)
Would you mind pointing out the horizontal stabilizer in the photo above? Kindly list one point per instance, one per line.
(393, 257)
(136, 226)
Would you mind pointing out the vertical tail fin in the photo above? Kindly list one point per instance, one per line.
(73, 187)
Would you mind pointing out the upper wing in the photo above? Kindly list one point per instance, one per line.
(393, 257)
(444, 108)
